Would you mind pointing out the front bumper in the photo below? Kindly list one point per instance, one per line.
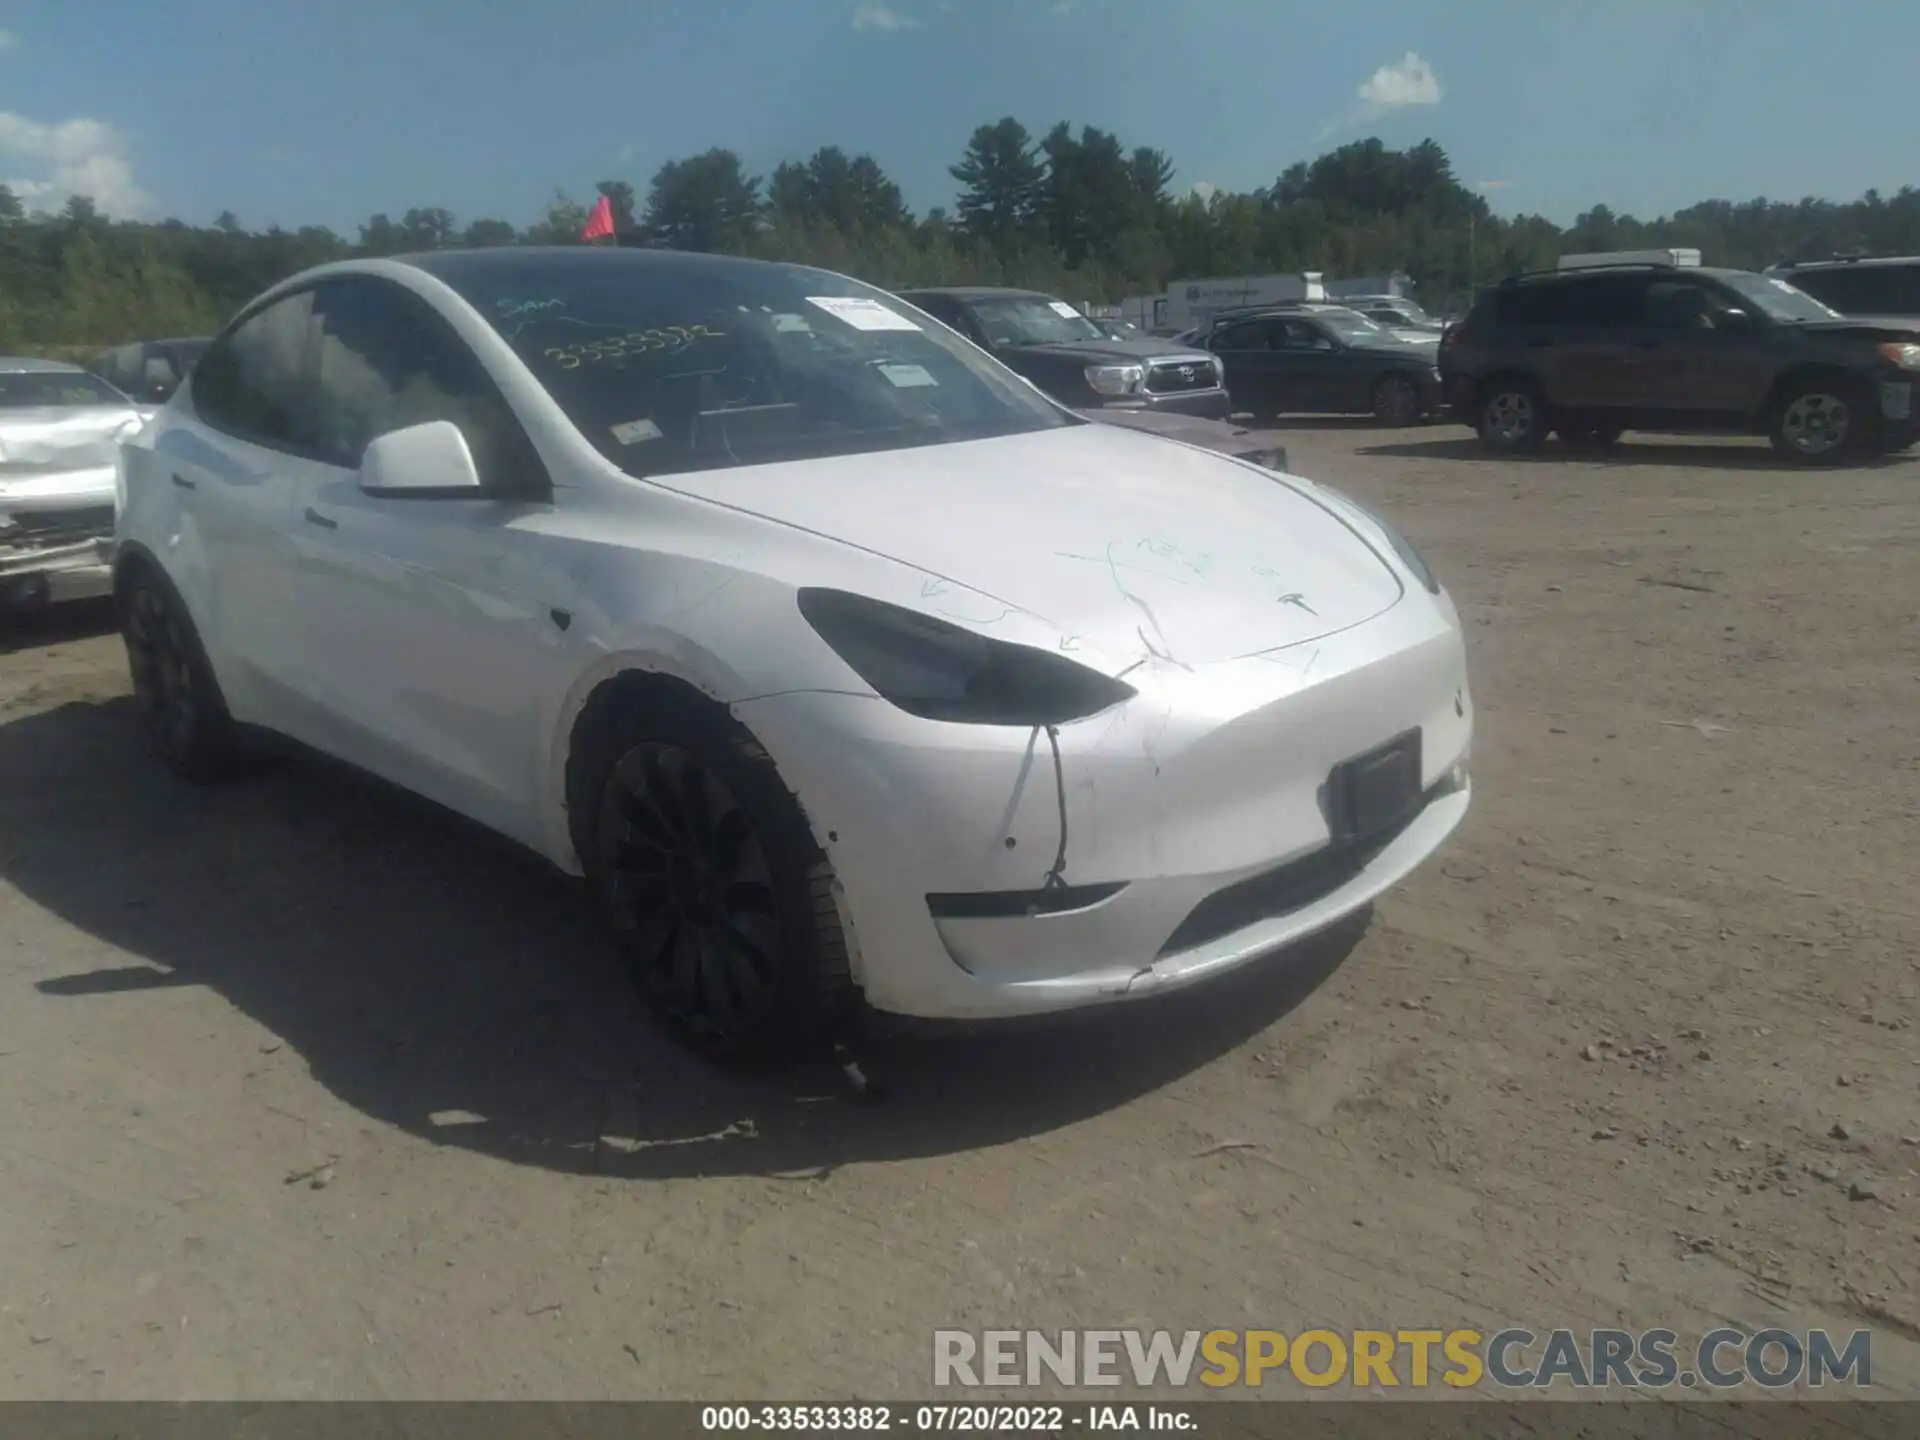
(82, 570)
(56, 542)
(1212, 780)
(1211, 404)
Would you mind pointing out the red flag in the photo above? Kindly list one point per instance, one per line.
(600, 223)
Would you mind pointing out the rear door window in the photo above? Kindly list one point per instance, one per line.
(1244, 335)
(1606, 302)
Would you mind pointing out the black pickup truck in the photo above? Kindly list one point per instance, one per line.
(1074, 360)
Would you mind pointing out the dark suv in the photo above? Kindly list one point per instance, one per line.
(1592, 352)
(1877, 288)
(1074, 360)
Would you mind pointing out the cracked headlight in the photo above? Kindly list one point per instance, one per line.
(938, 671)
(1116, 379)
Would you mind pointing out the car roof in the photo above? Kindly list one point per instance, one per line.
(457, 267)
(1848, 262)
(977, 292)
(1588, 272)
(33, 364)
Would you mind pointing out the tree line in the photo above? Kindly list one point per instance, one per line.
(1078, 214)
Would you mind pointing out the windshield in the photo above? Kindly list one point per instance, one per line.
(1032, 320)
(669, 366)
(65, 389)
(1777, 299)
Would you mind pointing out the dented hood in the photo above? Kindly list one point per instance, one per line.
(44, 440)
(1120, 540)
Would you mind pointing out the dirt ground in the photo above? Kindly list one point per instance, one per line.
(308, 1091)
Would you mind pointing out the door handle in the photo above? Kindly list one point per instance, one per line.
(1649, 344)
(1539, 344)
(314, 517)
(183, 482)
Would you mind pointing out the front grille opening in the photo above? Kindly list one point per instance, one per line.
(1167, 378)
(54, 527)
(1278, 892)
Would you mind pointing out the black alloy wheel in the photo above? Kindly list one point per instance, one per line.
(181, 710)
(693, 890)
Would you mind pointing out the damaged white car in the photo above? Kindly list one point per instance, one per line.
(60, 430)
(843, 663)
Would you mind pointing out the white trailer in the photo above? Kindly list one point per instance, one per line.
(1188, 303)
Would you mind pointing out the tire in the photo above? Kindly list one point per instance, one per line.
(182, 712)
(1513, 417)
(713, 882)
(1822, 420)
(1395, 401)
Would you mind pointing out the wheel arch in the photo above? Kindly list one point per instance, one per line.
(617, 684)
(624, 685)
(1788, 380)
(1506, 375)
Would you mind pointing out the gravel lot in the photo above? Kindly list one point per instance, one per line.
(311, 1092)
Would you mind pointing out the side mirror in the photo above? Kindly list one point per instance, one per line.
(421, 462)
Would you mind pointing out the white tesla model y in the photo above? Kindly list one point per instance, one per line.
(842, 662)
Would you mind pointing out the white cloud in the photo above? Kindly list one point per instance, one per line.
(877, 16)
(1205, 190)
(72, 157)
(1398, 85)
(1407, 81)
(628, 153)
(8, 41)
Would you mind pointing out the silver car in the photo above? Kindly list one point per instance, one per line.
(60, 431)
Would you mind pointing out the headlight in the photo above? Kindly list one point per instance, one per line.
(1402, 546)
(1905, 354)
(938, 671)
(1116, 379)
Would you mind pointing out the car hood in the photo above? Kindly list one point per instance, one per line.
(1113, 352)
(1865, 327)
(1124, 545)
(1401, 349)
(43, 440)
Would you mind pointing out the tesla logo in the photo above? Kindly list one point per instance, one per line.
(1296, 598)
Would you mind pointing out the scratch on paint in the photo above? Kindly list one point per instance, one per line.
(1167, 550)
(1115, 566)
(1005, 611)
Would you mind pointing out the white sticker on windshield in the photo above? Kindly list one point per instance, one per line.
(792, 322)
(1061, 307)
(908, 377)
(861, 313)
(634, 431)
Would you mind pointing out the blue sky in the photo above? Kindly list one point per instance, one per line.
(325, 111)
